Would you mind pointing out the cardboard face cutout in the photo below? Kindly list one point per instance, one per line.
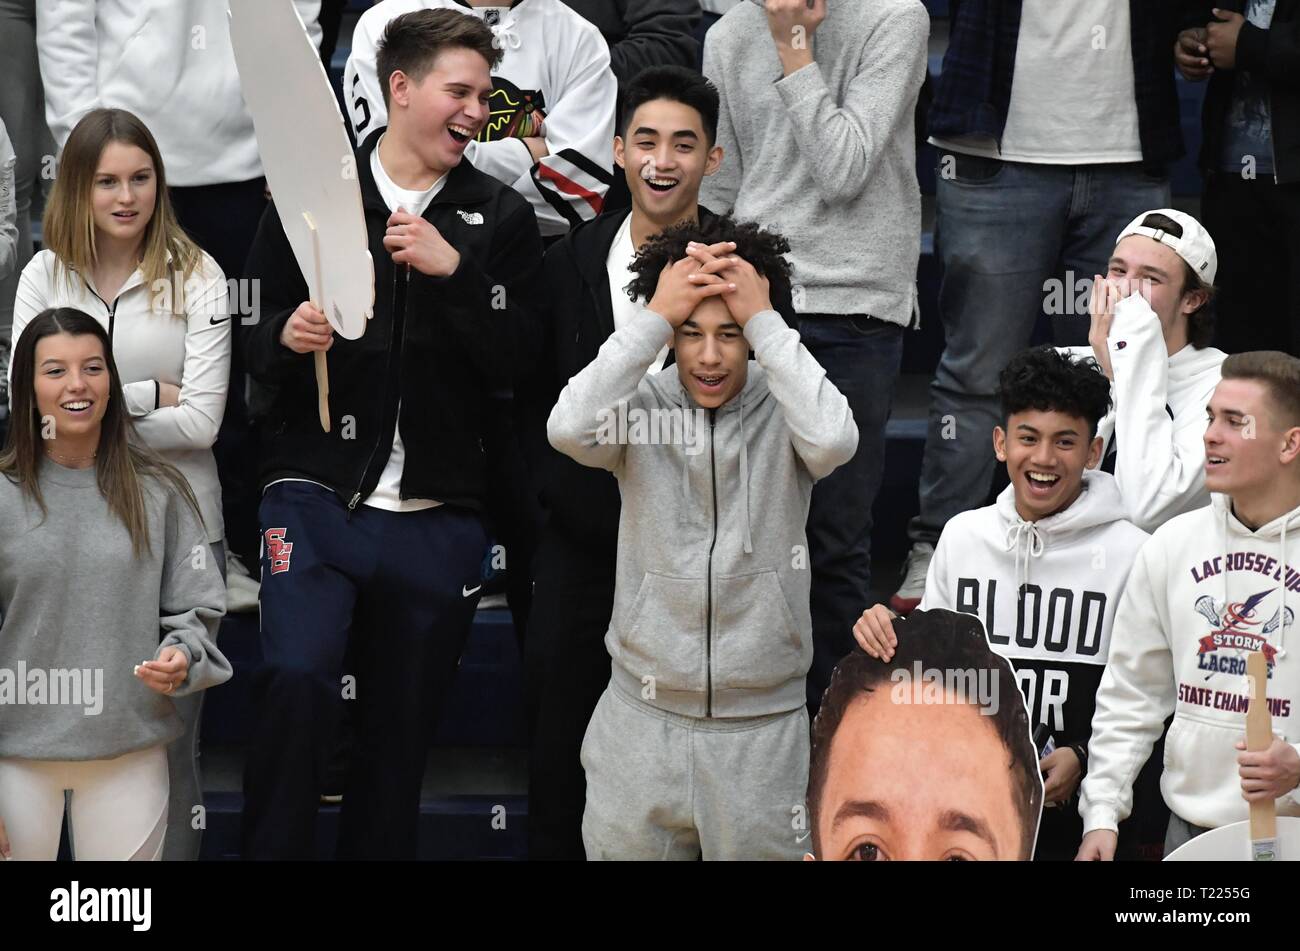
(1232, 843)
(926, 756)
(309, 163)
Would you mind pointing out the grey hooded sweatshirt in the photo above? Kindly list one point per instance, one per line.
(711, 615)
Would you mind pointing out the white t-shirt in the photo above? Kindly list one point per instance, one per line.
(387, 493)
(1073, 91)
(621, 253)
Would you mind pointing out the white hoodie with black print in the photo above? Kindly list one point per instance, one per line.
(1046, 591)
(1205, 592)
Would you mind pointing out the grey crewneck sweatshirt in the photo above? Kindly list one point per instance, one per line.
(80, 611)
(827, 155)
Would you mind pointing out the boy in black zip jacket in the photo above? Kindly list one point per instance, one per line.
(372, 532)
(665, 148)
(1250, 162)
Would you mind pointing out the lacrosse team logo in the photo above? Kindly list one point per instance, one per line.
(1237, 626)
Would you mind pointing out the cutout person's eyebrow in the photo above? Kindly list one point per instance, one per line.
(954, 820)
(861, 809)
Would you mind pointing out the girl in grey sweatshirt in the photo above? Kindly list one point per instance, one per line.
(109, 605)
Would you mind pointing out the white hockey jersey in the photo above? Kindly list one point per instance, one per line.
(554, 81)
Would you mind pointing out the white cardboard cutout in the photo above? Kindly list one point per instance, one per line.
(309, 163)
(1231, 843)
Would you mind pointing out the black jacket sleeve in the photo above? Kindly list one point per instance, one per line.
(655, 33)
(280, 289)
(1275, 52)
(487, 304)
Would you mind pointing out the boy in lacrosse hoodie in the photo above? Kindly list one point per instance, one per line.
(1208, 588)
(1043, 567)
(699, 744)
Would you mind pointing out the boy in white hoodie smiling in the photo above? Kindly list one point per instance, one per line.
(1043, 567)
(1207, 589)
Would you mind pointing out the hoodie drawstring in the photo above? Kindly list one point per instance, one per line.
(1034, 549)
(744, 478)
(1281, 627)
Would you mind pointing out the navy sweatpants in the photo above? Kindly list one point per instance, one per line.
(403, 587)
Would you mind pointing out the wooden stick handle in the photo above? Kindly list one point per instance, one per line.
(1259, 737)
(322, 367)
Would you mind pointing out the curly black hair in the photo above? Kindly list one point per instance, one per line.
(762, 249)
(1046, 379)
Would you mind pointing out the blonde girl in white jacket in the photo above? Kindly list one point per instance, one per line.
(113, 249)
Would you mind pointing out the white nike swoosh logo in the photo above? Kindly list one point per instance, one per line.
(802, 837)
(466, 592)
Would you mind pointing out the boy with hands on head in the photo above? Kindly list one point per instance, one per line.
(710, 638)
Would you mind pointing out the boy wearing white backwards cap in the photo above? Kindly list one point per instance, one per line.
(1152, 323)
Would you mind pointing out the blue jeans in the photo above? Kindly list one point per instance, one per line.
(1003, 231)
(861, 356)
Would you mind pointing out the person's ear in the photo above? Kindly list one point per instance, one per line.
(714, 161)
(1193, 301)
(618, 151)
(1094, 452)
(1000, 443)
(1290, 445)
(399, 90)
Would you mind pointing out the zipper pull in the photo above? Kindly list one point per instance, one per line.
(355, 499)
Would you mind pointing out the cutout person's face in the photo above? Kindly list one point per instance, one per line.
(918, 782)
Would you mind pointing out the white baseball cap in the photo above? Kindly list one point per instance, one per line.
(1195, 246)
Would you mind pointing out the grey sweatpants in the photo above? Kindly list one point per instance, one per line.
(1180, 832)
(665, 786)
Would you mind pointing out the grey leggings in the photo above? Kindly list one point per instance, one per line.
(183, 839)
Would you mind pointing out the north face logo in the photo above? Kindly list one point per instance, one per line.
(277, 549)
(471, 217)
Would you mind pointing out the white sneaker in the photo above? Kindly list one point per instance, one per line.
(909, 594)
(241, 590)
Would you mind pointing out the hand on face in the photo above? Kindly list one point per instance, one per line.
(792, 22)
